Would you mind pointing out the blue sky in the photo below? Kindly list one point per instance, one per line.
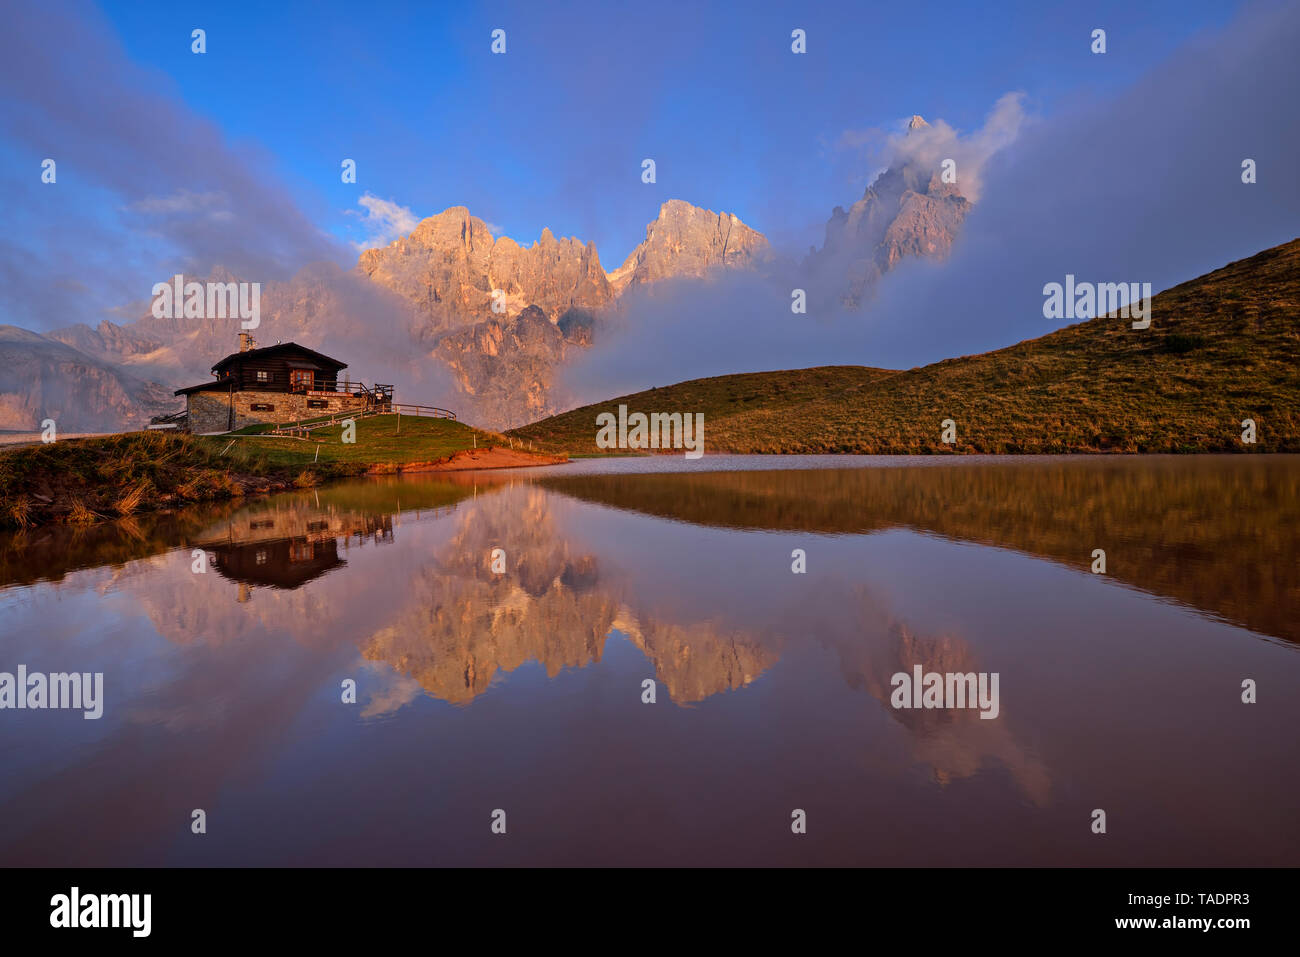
(551, 134)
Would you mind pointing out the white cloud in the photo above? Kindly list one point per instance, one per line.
(930, 145)
(383, 221)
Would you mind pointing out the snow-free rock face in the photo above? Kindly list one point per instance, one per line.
(548, 297)
(452, 264)
(505, 365)
(908, 211)
(685, 240)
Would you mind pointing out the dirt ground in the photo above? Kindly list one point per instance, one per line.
(490, 458)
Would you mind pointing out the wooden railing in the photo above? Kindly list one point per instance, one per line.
(303, 426)
(430, 410)
(378, 394)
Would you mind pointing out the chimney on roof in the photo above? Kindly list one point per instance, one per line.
(246, 342)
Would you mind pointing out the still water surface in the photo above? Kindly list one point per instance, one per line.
(523, 691)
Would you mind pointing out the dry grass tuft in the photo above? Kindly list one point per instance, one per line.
(79, 514)
(19, 512)
(131, 500)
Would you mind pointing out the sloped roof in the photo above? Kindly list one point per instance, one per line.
(277, 349)
(210, 386)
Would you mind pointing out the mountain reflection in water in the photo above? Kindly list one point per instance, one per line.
(523, 690)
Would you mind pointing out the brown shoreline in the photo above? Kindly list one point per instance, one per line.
(493, 457)
(66, 504)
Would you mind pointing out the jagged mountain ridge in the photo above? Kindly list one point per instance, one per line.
(688, 241)
(452, 263)
(548, 296)
(435, 289)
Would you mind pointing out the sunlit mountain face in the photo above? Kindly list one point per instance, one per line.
(629, 665)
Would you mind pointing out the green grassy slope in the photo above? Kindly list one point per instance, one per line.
(1221, 348)
(380, 438)
(82, 481)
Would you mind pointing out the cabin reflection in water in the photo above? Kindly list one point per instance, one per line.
(285, 547)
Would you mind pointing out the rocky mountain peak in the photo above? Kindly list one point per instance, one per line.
(451, 266)
(445, 278)
(453, 226)
(685, 240)
(907, 211)
(453, 269)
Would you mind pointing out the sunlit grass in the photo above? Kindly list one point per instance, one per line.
(81, 481)
(1222, 348)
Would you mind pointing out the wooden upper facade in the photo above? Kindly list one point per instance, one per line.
(286, 368)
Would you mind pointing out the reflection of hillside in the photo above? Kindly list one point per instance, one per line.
(1216, 533)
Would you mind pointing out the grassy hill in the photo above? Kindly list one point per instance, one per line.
(380, 438)
(1220, 349)
(82, 481)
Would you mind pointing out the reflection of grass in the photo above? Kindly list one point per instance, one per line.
(51, 552)
(387, 495)
(1219, 533)
(84, 480)
(1220, 349)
